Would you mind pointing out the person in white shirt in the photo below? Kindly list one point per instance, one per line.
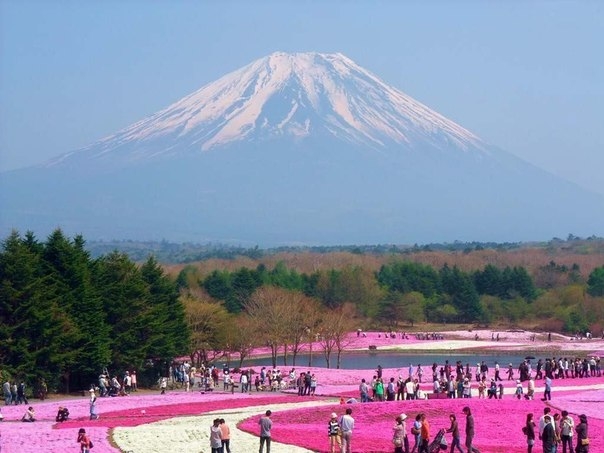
(243, 382)
(542, 423)
(410, 389)
(346, 427)
(567, 426)
(216, 437)
(530, 392)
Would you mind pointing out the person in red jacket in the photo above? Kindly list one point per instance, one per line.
(84, 441)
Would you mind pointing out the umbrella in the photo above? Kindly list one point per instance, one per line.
(529, 357)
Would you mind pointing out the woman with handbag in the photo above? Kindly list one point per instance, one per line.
(399, 438)
(582, 435)
(529, 431)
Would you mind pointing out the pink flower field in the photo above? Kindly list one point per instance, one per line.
(498, 422)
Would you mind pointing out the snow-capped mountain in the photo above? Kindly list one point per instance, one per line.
(296, 148)
(295, 96)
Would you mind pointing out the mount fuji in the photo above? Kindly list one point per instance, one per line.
(303, 148)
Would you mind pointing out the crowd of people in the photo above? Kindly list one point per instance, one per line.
(421, 336)
(184, 375)
(116, 386)
(14, 393)
(459, 381)
(555, 430)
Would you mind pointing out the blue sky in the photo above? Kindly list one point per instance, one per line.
(527, 76)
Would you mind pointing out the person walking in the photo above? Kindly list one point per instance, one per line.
(333, 432)
(225, 437)
(416, 430)
(547, 392)
(21, 398)
(454, 430)
(399, 438)
(347, 426)
(8, 399)
(94, 414)
(582, 435)
(216, 436)
(266, 424)
(469, 430)
(424, 440)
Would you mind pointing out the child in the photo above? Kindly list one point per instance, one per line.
(333, 431)
(84, 441)
(519, 390)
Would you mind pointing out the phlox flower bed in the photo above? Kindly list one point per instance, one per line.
(45, 435)
(498, 423)
(149, 414)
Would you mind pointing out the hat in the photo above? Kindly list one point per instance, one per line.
(403, 416)
(334, 415)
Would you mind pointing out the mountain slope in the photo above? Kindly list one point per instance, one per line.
(297, 148)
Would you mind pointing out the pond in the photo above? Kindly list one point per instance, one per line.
(370, 360)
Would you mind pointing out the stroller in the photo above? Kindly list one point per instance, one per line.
(439, 443)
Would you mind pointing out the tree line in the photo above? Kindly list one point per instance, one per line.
(64, 317)
(411, 292)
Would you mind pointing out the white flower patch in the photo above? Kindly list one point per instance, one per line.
(192, 434)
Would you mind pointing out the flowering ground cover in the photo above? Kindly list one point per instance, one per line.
(178, 421)
(150, 414)
(498, 422)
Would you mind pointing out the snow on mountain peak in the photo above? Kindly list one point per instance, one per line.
(298, 95)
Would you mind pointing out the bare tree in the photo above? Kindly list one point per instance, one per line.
(305, 314)
(267, 310)
(207, 323)
(335, 329)
(239, 337)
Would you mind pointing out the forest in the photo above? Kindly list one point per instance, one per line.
(65, 315)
